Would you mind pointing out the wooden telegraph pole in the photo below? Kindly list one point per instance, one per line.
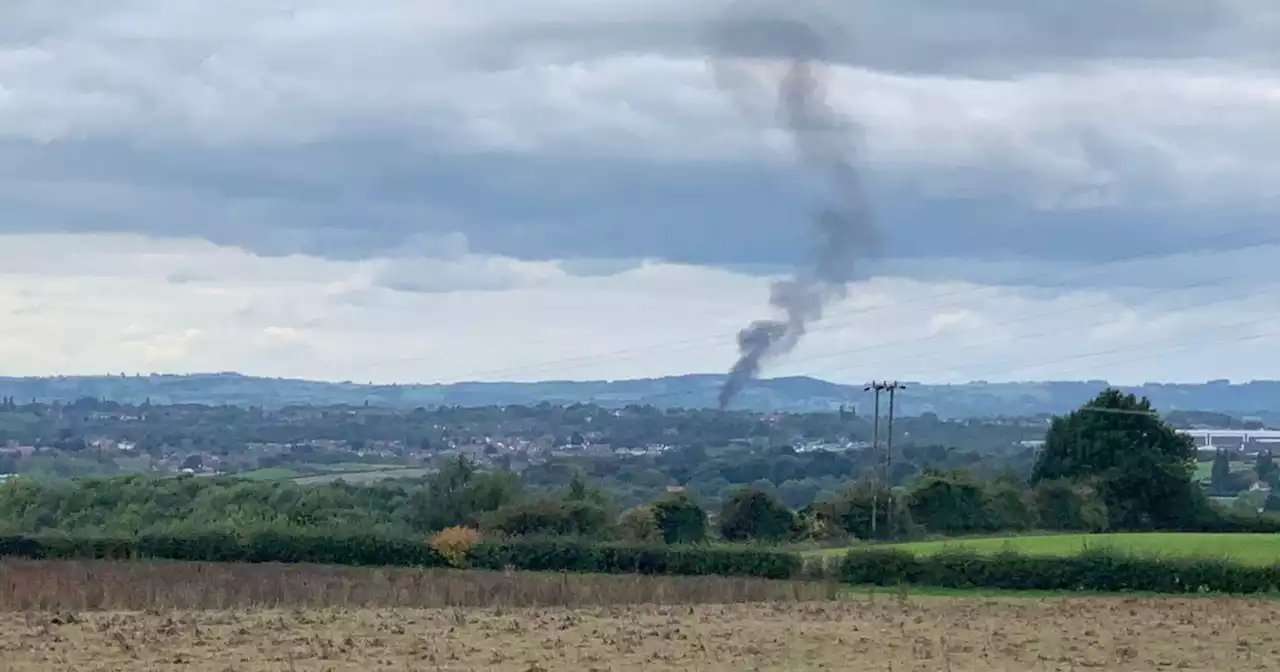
(888, 454)
(873, 386)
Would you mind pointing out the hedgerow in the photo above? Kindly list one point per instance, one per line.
(1094, 570)
(1100, 570)
(531, 554)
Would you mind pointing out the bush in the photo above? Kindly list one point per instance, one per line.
(638, 526)
(1067, 505)
(548, 516)
(880, 567)
(817, 523)
(680, 519)
(456, 547)
(1012, 508)
(853, 509)
(1092, 570)
(950, 503)
(568, 555)
(255, 546)
(454, 543)
(752, 514)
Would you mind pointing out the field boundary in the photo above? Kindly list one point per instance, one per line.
(1093, 570)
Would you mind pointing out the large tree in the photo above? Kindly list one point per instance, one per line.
(751, 513)
(1139, 464)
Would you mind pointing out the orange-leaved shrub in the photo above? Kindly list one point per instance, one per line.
(454, 543)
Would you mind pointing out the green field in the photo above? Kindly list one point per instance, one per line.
(1205, 469)
(351, 467)
(269, 474)
(364, 477)
(1254, 549)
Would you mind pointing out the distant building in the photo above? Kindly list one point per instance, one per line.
(1245, 440)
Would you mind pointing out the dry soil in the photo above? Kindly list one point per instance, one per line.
(866, 633)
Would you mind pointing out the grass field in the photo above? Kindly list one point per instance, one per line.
(369, 476)
(1205, 469)
(269, 474)
(350, 472)
(351, 467)
(1256, 549)
(211, 618)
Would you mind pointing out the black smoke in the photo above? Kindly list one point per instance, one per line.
(771, 62)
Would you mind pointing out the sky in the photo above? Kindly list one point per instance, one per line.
(438, 190)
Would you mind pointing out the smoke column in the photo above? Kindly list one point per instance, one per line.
(824, 142)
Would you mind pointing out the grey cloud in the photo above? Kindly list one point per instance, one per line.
(349, 132)
(442, 207)
(967, 37)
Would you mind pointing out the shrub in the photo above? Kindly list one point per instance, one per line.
(569, 555)
(638, 526)
(950, 503)
(854, 510)
(816, 523)
(454, 543)
(1011, 508)
(1093, 570)
(455, 546)
(879, 567)
(752, 514)
(680, 519)
(548, 516)
(1067, 505)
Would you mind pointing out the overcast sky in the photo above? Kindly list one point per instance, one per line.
(435, 190)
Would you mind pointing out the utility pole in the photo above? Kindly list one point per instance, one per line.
(875, 452)
(888, 453)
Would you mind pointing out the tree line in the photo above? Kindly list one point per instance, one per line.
(1111, 465)
(220, 429)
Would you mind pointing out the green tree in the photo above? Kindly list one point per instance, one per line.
(680, 519)
(1266, 468)
(855, 506)
(639, 525)
(1224, 482)
(548, 516)
(1272, 503)
(577, 487)
(1066, 505)
(949, 503)
(1140, 465)
(1220, 472)
(459, 493)
(1011, 508)
(750, 514)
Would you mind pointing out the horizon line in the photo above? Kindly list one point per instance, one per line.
(543, 381)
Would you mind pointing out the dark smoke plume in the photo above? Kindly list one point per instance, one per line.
(744, 49)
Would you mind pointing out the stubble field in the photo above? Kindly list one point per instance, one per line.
(218, 618)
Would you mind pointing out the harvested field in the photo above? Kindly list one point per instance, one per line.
(212, 618)
(102, 585)
(927, 634)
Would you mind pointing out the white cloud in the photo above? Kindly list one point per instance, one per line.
(290, 318)
(410, 141)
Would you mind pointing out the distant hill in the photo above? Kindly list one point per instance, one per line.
(1257, 398)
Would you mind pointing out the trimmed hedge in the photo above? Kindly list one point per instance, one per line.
(1092, 570)
(264, 546)
(579, 556)
(550, 555)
